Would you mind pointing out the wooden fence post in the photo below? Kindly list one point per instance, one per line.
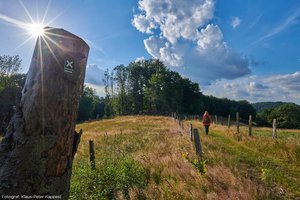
(237, 122)
(274, 129)
(250, 125)
(197, 143)
(222, 120)
(37, 153)
(216, 118)
(92, 155)
(228, 123)
(191, 131)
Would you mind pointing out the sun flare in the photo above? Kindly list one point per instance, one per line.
(36, 29)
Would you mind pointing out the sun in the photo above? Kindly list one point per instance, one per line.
(36, 29)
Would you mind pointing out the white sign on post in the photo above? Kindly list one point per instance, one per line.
(69, 66)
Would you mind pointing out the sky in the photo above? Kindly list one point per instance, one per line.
(236, 49)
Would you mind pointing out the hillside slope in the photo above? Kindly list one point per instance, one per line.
(147, 157)
(262, 106)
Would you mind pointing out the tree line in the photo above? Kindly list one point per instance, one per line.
(143, 87)
(149, 87)
(287, 115)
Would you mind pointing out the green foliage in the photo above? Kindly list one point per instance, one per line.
(90, 105)
(9, 66)
(287, 116)
(149, 87)
(262, 106)
(11, 84)
(199, 164)
(113, 175)
(225, 106)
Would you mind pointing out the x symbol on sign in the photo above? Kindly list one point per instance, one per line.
(69, 64)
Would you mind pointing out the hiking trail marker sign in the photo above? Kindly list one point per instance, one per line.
(69, 66)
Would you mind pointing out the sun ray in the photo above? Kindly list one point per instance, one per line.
(23, 43)
(40, 56)
(12, 21)
(50, 49)
(54, 42)
(58, 35)
(37, 11)
(27, 12)
(46, 11)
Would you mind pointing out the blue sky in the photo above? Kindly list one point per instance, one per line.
(236, 49)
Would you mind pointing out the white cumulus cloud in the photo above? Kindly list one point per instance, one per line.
(235, 22)
(182, 36)
(280, 87)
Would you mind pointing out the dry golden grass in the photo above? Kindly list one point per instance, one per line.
(158, 144)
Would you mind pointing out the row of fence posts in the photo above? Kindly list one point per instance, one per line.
(250, 124)
(194, 134)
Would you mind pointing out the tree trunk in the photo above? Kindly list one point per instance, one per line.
(38, 149)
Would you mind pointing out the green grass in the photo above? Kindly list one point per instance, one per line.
(147, 157)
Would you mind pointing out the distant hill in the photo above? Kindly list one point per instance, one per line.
(261, 106)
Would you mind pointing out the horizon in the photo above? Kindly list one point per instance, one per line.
(234, 50)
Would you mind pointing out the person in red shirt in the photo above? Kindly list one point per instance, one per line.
(206, 120)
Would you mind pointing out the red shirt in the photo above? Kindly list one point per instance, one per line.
(206, 120)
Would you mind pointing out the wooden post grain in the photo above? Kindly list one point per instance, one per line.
(197, 143)
(250, 125)
(228, 123)
(237, 122)
(274, 129)
(37, 152)
(92, 154)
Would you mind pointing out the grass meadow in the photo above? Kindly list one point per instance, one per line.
(151, 157)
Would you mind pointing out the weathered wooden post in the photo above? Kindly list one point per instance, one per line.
(274, 129)
(197, 143)
(191, 131)
(222, 120)
(250, 125)
(92, 155)
(237, 122)
(37, 152)
(228, 123)
(216, 118)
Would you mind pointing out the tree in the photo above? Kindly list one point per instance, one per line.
(88, 104)
(11, 83)
(108, 87)
(287, 116)
(136, 86)
(9, 66)
(121, 82)
(10, 96)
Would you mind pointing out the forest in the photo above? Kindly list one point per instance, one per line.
(149, 87)
(144, 87)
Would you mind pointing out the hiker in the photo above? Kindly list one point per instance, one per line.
(206, 120)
